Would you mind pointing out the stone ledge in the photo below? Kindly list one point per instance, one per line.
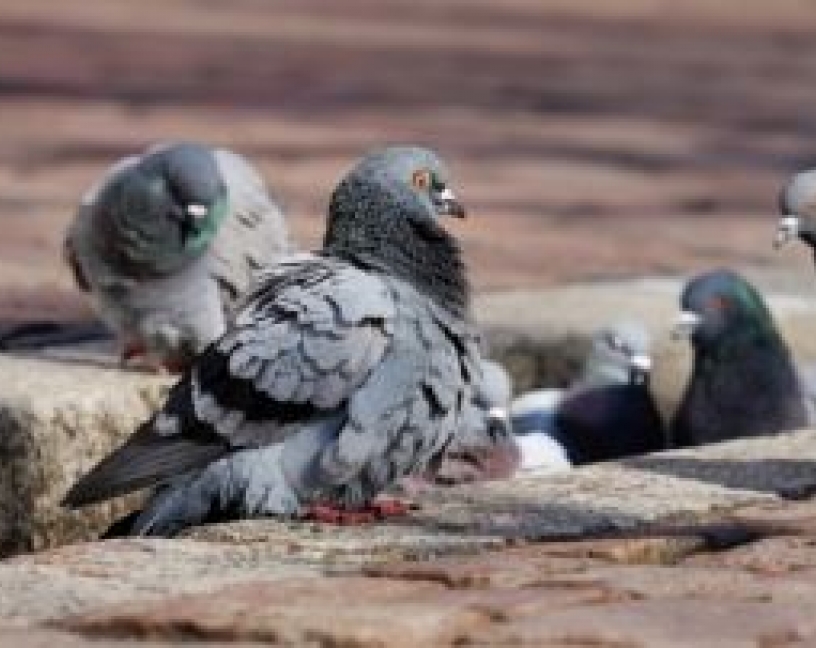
(56, 420)
(615, 499)
(62, 411)
(670, 586)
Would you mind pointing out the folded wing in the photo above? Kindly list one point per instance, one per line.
(308, 336)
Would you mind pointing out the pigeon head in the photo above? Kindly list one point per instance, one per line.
(493, 395)
(619, 355)
(721, 310)
(797, 209)
(387, 214)
(166, 208)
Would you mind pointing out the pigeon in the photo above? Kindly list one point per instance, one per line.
(607, 414)
(343, 371)
(743, 381)
(797, 209)
(166, 244)
(485, 448)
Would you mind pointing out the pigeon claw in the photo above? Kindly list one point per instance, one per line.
(173, 366)
(376, 511)
(133, 350)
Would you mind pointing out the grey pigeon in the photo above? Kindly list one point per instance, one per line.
(344, 371)
(484, 448)
(743, 381)
(608, 413)
(797, 209)
(167, 242)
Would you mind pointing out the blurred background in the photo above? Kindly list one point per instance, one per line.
(589, 139)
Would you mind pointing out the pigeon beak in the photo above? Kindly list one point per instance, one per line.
(196, 211)
(786, 231)
(685, 325)
(498, 420)
(447, 204)
(640, 365)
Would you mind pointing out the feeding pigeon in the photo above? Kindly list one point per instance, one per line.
(609, 412)
(167, 242)
(743, 380)
(344, 370)
(797, 208)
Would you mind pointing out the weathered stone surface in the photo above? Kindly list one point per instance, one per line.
(48, 638)
(607, 555)
(783, 464)
(56, 420)
(604, 499)
(657, 590)
(590, 500)
(76, 578)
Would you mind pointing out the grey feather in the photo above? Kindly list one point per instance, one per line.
(146, 459)
(253, 236)
(485, 447)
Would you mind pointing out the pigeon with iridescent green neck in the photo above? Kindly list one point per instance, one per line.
(344, 371)
(743, 381)
(167, 242)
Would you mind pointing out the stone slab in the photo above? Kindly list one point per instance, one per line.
(56, 420)
(601, 555)
(600, 500)
(662, 589)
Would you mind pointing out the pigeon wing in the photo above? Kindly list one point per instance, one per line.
(609, 422)
(253, 235)
(309, 335)
(415, 402)
(72, 260)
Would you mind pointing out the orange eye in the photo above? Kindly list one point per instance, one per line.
(718, 303)
(421, 179)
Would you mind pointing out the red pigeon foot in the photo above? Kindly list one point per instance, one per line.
(377, 510)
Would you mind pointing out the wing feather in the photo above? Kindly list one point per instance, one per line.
(281, 365)
(252, 236)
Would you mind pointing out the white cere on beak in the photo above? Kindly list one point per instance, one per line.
(786, 231)
(685, 325)
(197, 211)
(446, 195)
(498, 413)
(641, 362)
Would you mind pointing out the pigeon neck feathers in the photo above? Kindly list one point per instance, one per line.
(734, 317)
(386, 228)
(159, 212)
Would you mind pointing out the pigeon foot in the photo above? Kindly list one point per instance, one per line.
(377, 510)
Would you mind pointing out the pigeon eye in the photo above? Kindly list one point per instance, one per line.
(718, 303)
(421, 179)
(614, 342)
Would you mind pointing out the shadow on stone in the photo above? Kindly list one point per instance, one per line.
(520, 518)
(787, 478)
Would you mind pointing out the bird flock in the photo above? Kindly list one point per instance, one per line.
(315, 385)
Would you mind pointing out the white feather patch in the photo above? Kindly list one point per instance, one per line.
(541, 453)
